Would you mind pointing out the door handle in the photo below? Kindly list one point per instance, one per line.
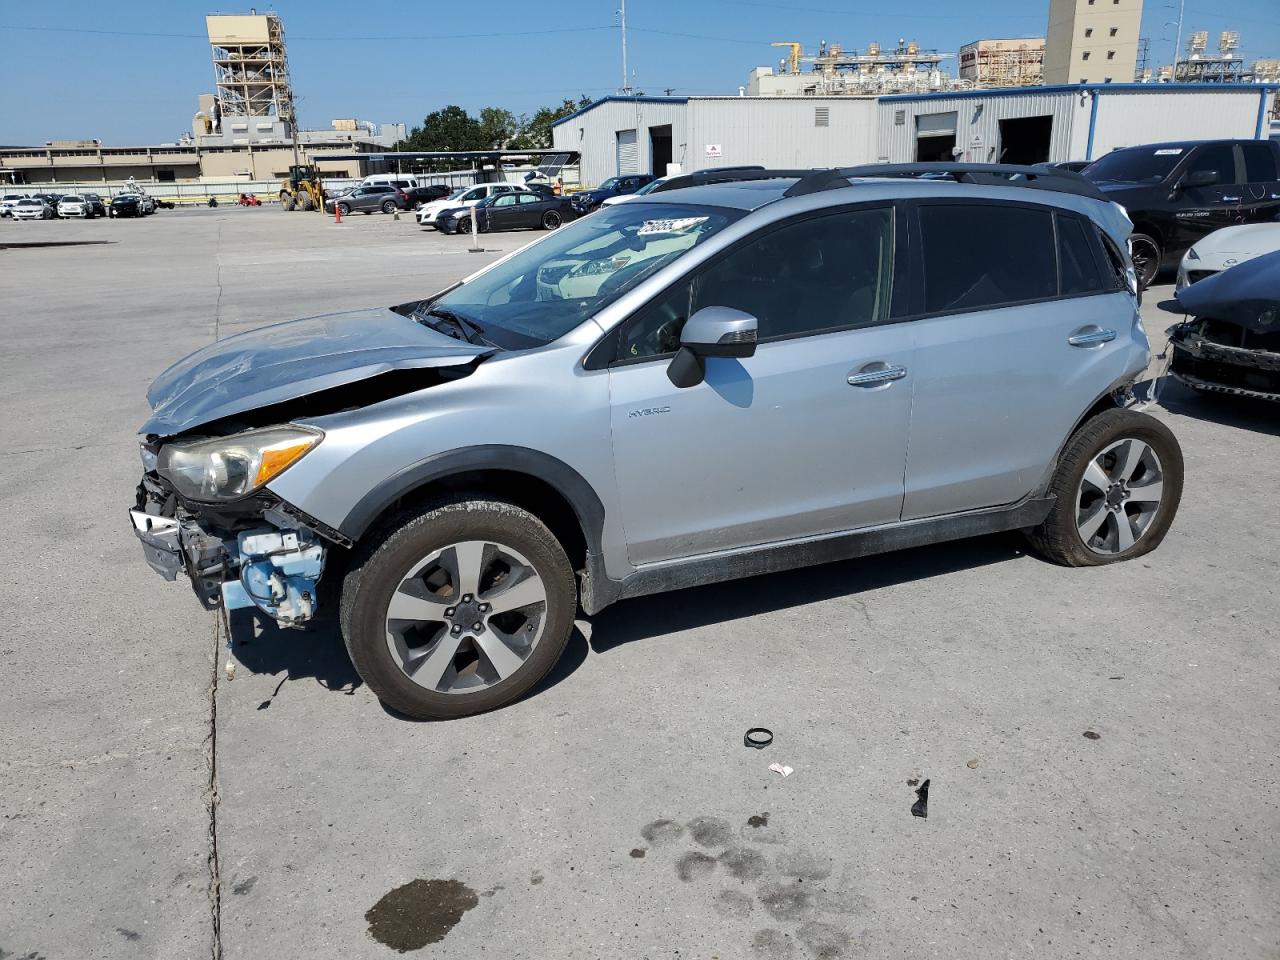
(876, 374)
(1091, 338)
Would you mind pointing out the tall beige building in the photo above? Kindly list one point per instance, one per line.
(1092, 41)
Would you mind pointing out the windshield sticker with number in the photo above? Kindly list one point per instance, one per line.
(651, 227)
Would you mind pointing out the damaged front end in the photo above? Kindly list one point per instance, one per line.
(1223, 357)
(258, 552)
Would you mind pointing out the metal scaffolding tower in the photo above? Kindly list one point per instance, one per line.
(250, 67)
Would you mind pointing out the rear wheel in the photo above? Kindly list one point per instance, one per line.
(1117, 488)
(551, 219)
(1145, 252)
(462, 609)
(389, 206)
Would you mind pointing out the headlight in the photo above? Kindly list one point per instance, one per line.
(228, 468)
(1192, 255)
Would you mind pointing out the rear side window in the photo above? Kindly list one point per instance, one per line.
(1076, 261)
(982, 256)
(1259, 162)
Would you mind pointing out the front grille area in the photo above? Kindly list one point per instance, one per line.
(1226, 374)
(1195, 275)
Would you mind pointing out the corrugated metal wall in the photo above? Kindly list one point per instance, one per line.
(780, 131)
(977, 123)
(595, 134)
(1127, 118)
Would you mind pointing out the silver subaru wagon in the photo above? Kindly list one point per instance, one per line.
(739, 374)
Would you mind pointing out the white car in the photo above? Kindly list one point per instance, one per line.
(7, 202)
(464, 197)
(1225, 248)
(649, 187)
(31, 208)
(73, 205)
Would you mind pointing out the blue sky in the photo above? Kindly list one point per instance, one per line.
(388, 61)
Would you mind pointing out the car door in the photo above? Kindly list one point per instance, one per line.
(1260, 202)
(1008, 353)
(502, 213)
(1202, 209)
(808, 436)
(531, 208)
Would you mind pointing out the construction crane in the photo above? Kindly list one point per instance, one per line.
(793, 60)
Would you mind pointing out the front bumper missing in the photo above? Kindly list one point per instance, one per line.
(273, 566)
(1219, 368)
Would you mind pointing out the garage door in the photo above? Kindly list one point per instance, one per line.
(628, 152)
(936, 125)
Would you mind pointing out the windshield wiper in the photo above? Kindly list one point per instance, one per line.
(469, 330)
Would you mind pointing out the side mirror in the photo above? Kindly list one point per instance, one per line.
(1200, 178)
(711, 332)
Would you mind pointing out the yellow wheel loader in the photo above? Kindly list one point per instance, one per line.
(302, 191)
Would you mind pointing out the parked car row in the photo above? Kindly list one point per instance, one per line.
(47, 206)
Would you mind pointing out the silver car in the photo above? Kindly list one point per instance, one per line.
(702, 384)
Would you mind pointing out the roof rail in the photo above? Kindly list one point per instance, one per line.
(985, 174)
(700, 178)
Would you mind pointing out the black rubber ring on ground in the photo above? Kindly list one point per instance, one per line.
(755, 737)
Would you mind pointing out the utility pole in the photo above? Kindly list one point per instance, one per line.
(626, 85)
(1177, 44)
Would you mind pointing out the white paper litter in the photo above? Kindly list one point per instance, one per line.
(780, 768)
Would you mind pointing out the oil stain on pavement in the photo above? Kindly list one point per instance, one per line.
(419, 913)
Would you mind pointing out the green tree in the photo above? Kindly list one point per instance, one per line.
(498, 127)
(535, 132)
(450, 128)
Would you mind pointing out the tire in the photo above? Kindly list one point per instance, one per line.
(306, 202)
(344, 209)
(286, 202)
(1146, 258)
(389, 206)
(551, 220)
(478, 671)
(462, 226)
(1084, 527)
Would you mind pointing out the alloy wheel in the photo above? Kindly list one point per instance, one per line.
(466, 617)
(1146, 261)
(1119, 496)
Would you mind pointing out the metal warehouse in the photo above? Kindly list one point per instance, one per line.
(1023, 125)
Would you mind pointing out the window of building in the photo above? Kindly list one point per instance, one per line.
(1111, 54)
(1088, 32)
(827, 273)
(1085, 55)
(1005, 254)
(1114, 31)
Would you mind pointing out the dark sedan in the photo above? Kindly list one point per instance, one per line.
(509, 211)
(127, 205)
(379, 196)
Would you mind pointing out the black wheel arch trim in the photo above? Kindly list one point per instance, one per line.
(564, 479)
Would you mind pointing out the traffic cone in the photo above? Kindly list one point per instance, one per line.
(337, 213)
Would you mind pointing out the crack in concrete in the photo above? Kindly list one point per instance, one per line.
(211, 742)
(217, 306)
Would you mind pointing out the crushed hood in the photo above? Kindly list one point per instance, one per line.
(286, 361)
(1248, 295)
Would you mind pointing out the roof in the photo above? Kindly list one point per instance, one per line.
(1075, 88)
(620, 99)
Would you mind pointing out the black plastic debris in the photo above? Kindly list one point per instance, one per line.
(758, 737)
(921, 807)
(1092, 735)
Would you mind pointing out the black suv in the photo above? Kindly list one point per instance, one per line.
(1176, 193)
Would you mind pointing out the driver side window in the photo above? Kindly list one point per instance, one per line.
(1220, 158)
(813, 276)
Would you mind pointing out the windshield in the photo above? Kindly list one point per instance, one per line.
(458, 193)
(651, 186)
(549, 288)
(1136, 165)
(611, 184)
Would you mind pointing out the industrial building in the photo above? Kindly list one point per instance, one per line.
(836, 71)
(1016, 125)
(991, 64)
(1092, 41)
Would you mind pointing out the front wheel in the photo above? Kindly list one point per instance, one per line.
(1146, 254)
(461, 609)
(1117, 488)
(463, 225)
(344, 209)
